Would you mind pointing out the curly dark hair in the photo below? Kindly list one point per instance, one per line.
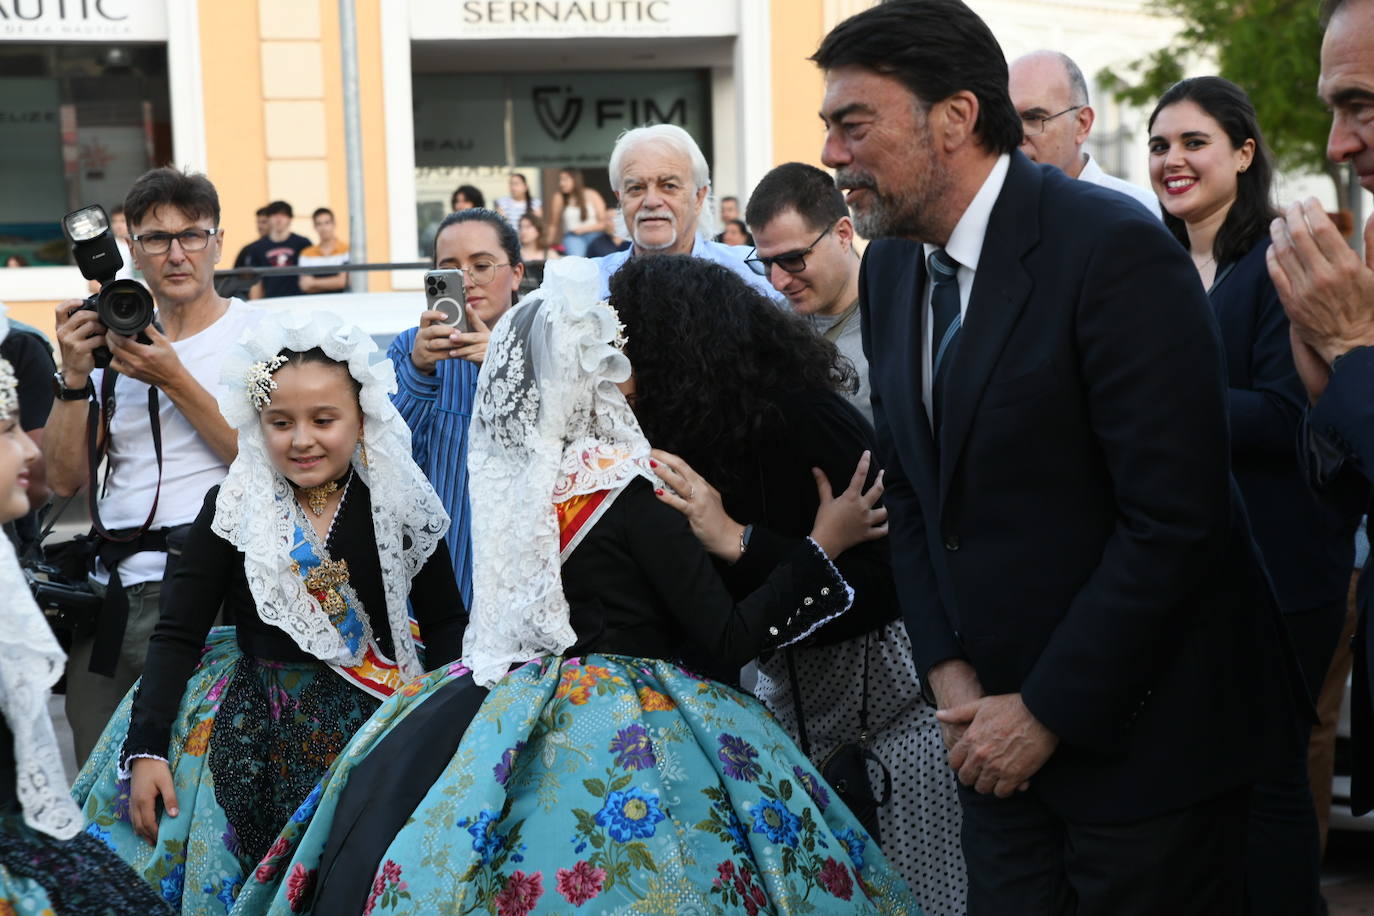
(712, 358)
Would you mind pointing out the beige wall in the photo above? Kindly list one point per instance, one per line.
(797, 27)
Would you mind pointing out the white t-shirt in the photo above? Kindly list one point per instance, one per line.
(189, 466)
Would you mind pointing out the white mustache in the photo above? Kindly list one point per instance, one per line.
(666, 214)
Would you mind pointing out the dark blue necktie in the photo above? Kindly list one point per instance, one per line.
(945, 323)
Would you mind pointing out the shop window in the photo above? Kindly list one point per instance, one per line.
(477, 128)
(80, 122)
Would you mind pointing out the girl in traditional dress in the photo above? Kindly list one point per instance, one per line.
(48, 867)
(602, 770)
(321, 533)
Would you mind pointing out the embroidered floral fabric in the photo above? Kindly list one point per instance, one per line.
(249, 745)
(610, 782)
(41, 876)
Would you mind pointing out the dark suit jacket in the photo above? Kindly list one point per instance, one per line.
(1307, 548)
(1076, 533)
(1341, 462)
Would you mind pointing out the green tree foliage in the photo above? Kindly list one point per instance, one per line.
(1270, 48)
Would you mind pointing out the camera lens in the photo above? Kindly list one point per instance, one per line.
(125, 307)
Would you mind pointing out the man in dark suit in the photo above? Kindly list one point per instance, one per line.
(1076, 570)
(1328, 291)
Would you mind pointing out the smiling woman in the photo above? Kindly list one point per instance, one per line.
(1211, 169)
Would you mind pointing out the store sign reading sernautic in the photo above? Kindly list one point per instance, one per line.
(84, 20)
(446, 19)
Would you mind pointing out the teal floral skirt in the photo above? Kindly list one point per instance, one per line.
(251, 740)
(41, 876)
(597, 785)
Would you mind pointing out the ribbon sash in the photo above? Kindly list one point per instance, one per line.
(326, 580)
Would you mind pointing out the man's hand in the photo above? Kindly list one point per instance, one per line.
(79, 333)
(155, 363)
(1314, 371)
(954, 683)
(435, 341)
(472, 346)
(1003, 746)
(1326, 288)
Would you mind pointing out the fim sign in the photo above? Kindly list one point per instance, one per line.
(575, 119)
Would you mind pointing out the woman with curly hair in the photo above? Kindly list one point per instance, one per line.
(744, 404)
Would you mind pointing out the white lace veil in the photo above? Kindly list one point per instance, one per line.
(31, 661)
(254, 509)
(549, 424)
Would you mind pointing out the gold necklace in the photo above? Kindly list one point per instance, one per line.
(316, 497)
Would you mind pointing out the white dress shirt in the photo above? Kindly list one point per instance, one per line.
(965, 245)
(1092, 172)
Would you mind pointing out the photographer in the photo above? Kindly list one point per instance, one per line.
(175, 241)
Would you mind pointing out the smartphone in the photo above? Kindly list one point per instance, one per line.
(444, 293)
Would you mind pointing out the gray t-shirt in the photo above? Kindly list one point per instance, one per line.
(851, 345)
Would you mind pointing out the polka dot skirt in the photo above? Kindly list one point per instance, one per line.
(920, 823)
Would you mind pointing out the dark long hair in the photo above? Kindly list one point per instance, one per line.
(578, 193)
(713, 358)
(1247, 222)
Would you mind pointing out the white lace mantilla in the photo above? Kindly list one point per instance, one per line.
(549, 423)
(31, 661)
(254, 511)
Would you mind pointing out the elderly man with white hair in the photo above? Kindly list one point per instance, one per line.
(662, 182)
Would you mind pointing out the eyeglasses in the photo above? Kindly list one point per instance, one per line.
(483, 272)
(794, 262)
(161, 242)
(1035, 126)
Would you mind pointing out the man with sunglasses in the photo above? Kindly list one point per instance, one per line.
(804, 247)
(175, 241)
(1051, 96)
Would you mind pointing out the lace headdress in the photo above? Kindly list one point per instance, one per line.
(549, 424)
(31, 662)
(254, 511)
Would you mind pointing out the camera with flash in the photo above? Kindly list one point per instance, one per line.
(123, 306)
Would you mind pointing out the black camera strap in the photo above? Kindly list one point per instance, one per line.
(117, 546)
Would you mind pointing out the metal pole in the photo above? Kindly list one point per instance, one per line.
(353, 141)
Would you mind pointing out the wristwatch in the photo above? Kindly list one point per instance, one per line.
(63, 393)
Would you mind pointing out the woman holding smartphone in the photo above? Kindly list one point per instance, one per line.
(437, 364)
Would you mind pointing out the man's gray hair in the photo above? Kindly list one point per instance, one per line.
(1078, 86)
(677, 140)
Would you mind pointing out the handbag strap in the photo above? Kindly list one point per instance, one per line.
(797, 700)
(98, 419)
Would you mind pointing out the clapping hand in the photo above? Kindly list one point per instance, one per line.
(1326, 288)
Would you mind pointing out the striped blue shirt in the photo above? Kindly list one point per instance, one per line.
(437, 409)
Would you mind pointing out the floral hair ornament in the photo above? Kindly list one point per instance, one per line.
(619, 340)
(9, 392)
(259, 382)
